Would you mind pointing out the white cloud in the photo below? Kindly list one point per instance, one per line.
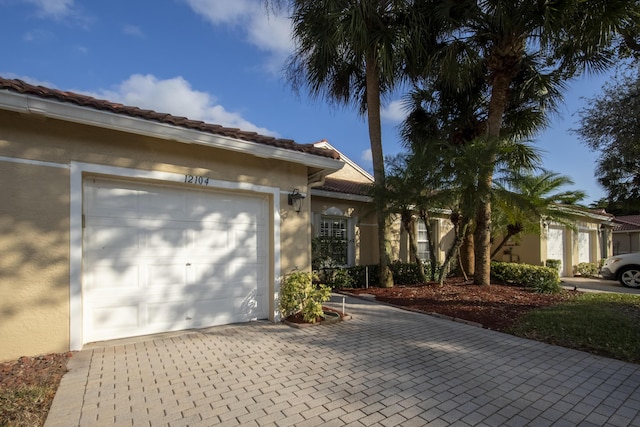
(366, 156)
(38, 36)
(269, 32)
(394, 112)
(53, 8)
(132, 30)
(176, 96)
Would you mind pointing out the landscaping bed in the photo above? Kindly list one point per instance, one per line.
(495, 307)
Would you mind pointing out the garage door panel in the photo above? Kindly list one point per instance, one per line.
(112, 276)
(555, 245)
(584, 246)
(166, 275)
(159, 259)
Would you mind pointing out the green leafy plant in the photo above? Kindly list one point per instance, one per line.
(587, 269)
(541, 279)
(298, 294)
(553, 263)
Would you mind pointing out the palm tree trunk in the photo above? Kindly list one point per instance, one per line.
(504, 241)
(482, 235)
(467, 256)
(424, 216)
(375, 139)
(409, 226)
(460, 231)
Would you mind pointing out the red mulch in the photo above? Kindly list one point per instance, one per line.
(495, 307)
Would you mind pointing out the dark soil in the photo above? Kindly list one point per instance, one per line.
(495, 307)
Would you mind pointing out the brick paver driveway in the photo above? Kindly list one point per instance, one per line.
(384, 367)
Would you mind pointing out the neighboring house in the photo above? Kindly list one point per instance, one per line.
(342, 207)
(588, 241)
(626, 234)
(117, 221)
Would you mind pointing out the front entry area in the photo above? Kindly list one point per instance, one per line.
(162, 258)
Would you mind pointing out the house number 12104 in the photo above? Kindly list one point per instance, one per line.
(193, 179)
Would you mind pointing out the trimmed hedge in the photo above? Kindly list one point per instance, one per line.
(403, 274)
(541, 279)
(587, 269)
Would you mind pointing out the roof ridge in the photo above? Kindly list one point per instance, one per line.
(22, 87)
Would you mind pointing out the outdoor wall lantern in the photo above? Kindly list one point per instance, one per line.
(295, 200)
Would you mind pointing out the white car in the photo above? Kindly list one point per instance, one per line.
(624, 268)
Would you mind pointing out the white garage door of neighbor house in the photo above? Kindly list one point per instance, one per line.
(555, 245)
(584, 246)
(159, 259)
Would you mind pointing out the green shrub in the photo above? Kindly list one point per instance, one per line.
(358, 275)
(541, 279)
(335, 278)
(299, 294)
(553, 263)
(587, 269)
(405, 274)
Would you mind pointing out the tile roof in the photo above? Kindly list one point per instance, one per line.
(22, 87)
(346, 187)
(627, 223)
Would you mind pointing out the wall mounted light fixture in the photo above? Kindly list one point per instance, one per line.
(295, 200)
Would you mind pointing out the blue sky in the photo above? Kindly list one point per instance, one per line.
(220, 61)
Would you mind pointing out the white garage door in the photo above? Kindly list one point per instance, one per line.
(584, 246)
(555, 245)
(158, 259)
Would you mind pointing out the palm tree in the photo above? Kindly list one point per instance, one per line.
(456, 114)
(352, 53)
(400, 197)
(562, 38)
(523, 199)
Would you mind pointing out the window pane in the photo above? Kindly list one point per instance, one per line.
(423, 241)
(336, 230)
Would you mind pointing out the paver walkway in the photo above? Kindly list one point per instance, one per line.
(384, 367)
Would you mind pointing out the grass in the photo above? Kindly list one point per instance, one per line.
(603, 324)
(23, 407)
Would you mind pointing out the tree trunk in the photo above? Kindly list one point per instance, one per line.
(460, 231)
(375, 139)
(501, 245)
(409, 225)
(467, 256)
(482, 235)
(424, 216)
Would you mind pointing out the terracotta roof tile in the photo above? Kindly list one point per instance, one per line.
(627, 223)
(20, 86)
(345, 187)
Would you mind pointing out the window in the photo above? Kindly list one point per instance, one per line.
(335, 231)
(422, 240)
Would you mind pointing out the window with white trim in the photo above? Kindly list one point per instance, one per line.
(422, 240)
(335, 229)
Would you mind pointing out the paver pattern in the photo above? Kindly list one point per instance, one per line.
(384, 367)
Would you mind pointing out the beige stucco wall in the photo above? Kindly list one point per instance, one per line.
(34, 215)
(349, 173)
(532, 249)
(625, 242)
(34, 266)
(366, 243)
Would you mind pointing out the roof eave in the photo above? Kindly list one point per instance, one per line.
(29, 104)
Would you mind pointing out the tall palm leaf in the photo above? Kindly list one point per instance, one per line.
(523, 199)
(352, 53)
(567, 37)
